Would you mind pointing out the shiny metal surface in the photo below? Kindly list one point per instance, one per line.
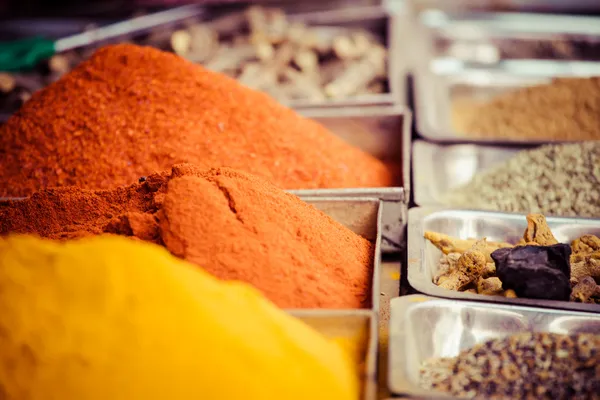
(471, 24)
(423, 257)
(385, 133)
(441, 82)
(359, 327)
(422, 327)
(438, 168)
(554, 6)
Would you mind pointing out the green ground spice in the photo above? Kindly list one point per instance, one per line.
(553, 180)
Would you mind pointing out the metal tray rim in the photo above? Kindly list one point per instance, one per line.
(370, 371)
(425, 193)
(397, 381)
(420, 282)
(516, 21)
(426, 80)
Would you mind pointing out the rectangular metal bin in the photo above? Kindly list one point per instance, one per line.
(553, 6)
(358, 327)
(423, 257)
(439, 168)
(422, 327)
(384, 132)
(381, 22)
(488, 37)
(363, 217)
(447, 90)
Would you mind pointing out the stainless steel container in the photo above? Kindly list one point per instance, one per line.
(382, 23)
(439, 168)
(466, 58)
(443, 83)
(424, 257)
(359, 327)
(554, 6)
(488, 37)
(385, 133)
(363, 217)
(422, 327)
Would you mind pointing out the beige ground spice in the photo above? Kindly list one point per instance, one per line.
(564, 109)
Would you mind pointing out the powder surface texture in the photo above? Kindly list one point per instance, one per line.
(130, 111)
(232, 224)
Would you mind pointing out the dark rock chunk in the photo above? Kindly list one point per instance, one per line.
(535, 272)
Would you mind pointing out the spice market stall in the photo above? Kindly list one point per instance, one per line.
(257, 162)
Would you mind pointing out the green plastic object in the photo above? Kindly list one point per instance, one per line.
(25, 54)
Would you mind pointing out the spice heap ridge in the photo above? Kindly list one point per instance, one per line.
(230, 223)
(141, 110)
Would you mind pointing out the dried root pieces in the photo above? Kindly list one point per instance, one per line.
(448, 244)
(462, 269)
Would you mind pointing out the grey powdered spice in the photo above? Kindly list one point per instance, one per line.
(522, 366)
(553, 179)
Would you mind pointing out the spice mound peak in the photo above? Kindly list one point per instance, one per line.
(131, 110)
(134, 322)
(230, 223)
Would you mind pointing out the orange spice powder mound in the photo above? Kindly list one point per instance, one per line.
(232, 224)
(129, 111)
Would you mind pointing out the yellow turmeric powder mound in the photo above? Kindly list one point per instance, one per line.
(111, 318)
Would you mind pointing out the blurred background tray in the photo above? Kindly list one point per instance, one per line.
(438, 168)
(447, 90)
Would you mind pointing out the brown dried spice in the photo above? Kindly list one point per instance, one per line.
(565, 109)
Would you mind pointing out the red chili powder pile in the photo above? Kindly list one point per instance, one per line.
(129, 111)
(232, 224)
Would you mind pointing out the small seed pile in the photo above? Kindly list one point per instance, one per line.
(564, 109)
(553, 180)
(522, 366)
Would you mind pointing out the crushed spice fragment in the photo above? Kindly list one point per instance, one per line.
(183, 113)
(230, 223)
(538, 266)
(564, 109)
(528, 365)
(553, 179)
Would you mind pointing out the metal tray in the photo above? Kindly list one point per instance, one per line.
(554, 6)
(487, 37)
(385, 133)
(423, 257)
(359, 327)
(422, 327)
(381, 22)
(442, 81)
(438, 168)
